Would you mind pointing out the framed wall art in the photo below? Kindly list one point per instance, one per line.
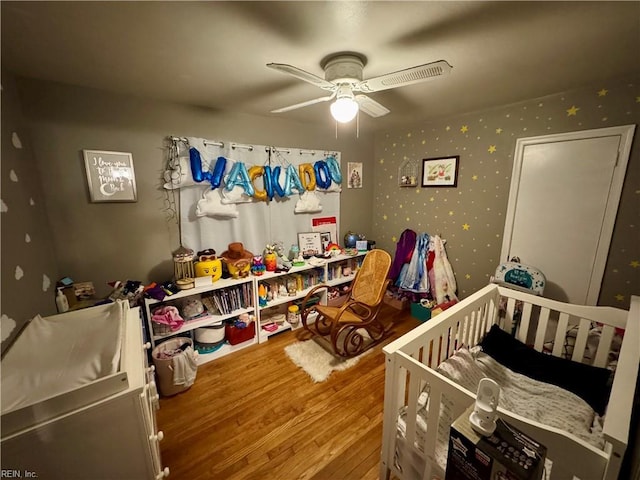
(110, 176)
(310, 243)
(440, 171)
(354, 170)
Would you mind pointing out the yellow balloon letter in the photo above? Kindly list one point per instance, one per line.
(307, 176)
(255, 172)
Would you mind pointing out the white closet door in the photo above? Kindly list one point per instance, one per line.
(564, 195)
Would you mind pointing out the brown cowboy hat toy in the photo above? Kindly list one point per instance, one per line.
(237, 260)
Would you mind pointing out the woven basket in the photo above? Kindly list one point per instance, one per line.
(160, 328)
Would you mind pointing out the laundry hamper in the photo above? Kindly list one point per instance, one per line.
(164, 366)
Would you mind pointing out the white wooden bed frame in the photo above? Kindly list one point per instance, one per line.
(412, 359)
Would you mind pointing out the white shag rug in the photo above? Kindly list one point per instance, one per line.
(314, 359)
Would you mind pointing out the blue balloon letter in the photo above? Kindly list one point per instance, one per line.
(239, 176)
(323, 178)
(334, 169)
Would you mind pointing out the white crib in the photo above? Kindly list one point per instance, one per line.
(411, 363)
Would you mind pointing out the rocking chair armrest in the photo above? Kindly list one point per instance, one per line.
(310, 293)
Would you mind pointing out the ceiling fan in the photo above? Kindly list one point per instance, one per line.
(343, 78)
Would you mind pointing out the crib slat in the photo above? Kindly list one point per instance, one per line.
(414, 391)
(474, 323)
(483, 321)
(524, 323)
(561, 332)
(604, 346)
(464, 331)
(453, 332)
(543, 321)
(508, 318)
(433, 415)
(581, 340)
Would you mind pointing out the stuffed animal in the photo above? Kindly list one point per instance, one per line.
(257, 266)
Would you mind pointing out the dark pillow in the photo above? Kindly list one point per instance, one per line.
(588, 382)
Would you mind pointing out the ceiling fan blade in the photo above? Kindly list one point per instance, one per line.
(408, 76)
(371, 107)
(305, 104)
(302, 75)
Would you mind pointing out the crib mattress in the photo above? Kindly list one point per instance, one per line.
(61, 363)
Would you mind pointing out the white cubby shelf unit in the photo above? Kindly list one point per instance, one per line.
(297, 281)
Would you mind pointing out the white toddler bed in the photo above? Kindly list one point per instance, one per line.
(419, 388)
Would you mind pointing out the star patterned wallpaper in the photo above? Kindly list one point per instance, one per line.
(471, 216)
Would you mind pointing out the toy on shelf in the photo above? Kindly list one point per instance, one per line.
(262, 295)
(237, 260)
(270, 258)
(283, 261)
(208, 265)
(257, 266)
(333, 249)
(183, 264)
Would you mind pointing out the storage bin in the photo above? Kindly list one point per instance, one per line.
(211, 334)
(164, 366)
(395, 302)
(237, 335)
(420, 312)
(160, 328)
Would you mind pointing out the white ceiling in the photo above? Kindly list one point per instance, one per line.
(213, 54)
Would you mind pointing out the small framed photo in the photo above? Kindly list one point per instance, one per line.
(440, 172)
(310, 243)
(325, 238)
(110, 176)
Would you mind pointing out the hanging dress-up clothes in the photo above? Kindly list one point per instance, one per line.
(444, 287)
(404, 250)
(414, 278)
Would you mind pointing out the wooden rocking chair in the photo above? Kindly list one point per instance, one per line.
(353, 327)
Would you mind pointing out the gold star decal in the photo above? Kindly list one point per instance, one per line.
(637, 99)
(464, 129)
(603, 92)
(635, 264)
(474, 178)
(451, 213)
(424, 141)
(498, 131)
(409, 135)
(384, 217)
(394, 239)
(432, 199)
(620, 297)
(572, 112)
(491, 149)
(467, 276)
(447, 128)
(381, 161)
(466, 226)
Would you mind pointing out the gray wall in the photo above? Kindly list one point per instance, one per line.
(101, 242)
(471, 217)
(29, 266)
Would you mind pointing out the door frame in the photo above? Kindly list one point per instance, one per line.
(624, 149)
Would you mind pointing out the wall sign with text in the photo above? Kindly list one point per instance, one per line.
(110, 176)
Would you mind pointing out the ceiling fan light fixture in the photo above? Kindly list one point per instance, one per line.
(344, 109)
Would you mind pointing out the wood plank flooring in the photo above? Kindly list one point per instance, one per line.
(255, 415)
